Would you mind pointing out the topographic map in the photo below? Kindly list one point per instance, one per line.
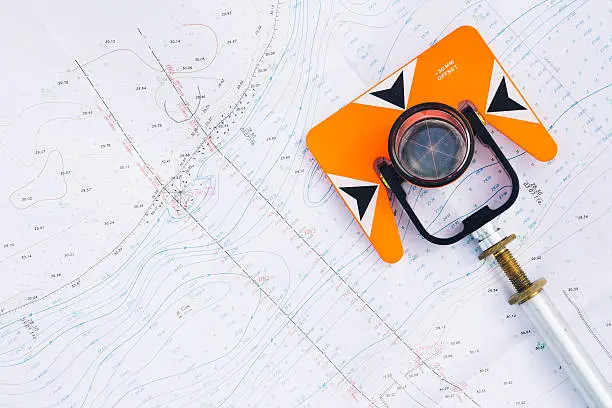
(169, 241)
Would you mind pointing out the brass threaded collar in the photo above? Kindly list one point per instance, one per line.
(525, 289)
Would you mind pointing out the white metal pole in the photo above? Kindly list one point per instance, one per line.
(579, 366)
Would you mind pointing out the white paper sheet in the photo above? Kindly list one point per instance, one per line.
(168, 240)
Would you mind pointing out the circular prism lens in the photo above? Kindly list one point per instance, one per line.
(431, 145)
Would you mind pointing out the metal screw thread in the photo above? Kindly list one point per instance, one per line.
(512, 269)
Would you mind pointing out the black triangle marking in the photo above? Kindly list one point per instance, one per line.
(395, 94)
(502, 102)
(363, 195)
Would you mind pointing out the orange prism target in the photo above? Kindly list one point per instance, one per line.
(460, 67)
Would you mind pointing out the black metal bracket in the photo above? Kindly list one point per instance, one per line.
(393, 181)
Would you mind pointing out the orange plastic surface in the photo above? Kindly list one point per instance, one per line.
(459, 67)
